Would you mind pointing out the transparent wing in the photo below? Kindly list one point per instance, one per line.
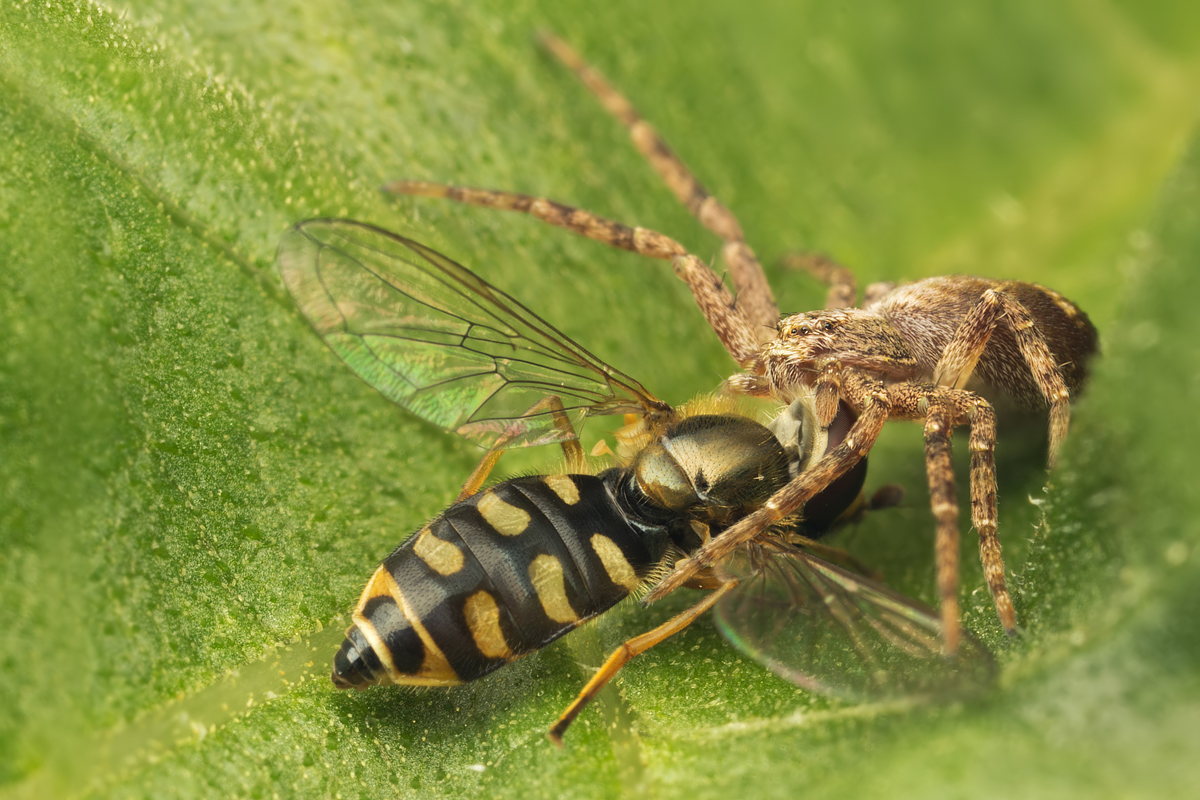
(440, 341)
(838, 633)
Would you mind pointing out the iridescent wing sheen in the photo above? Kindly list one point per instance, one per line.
(838, 633)
(442, 342)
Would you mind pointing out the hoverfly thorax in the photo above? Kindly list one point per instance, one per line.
(679, 471)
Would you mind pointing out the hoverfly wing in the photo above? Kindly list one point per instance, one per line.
(838, 633)
(440, 341)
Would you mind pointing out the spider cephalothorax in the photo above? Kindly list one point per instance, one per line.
(806, 345)
(849, 335)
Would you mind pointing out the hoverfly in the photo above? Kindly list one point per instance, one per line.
(507, 569)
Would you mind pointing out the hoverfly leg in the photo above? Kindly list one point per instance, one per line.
(890, 495)
(636, 646)
(570, 444)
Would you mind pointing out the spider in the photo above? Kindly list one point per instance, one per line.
(939, 350)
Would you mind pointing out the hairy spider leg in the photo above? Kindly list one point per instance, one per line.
(714, 299)
(996, 308)
(754, 293)
(843, 289)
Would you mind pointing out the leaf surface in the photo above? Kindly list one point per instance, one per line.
(189, 480)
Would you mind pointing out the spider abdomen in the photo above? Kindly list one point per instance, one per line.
(927, 315)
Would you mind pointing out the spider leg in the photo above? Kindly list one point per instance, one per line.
(982, 419)
(843, 289)
(754, 293)
(961, 355)
(943, 499)
(635, 646)
(862, 393)
(876, 292)
(570, 445)
(723, 312)
(827, 390)
(642, 241)
(749, 385)
(724, 315)
(942, 408)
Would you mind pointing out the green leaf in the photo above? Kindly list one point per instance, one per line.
(193, 489)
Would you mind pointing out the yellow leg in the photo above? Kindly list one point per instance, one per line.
(631, 648)
(571, 447)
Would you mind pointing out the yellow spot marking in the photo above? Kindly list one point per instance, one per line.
(483, 620)
(444, 558)
(564, 487)
(546, 575)
(507, 520)
(618, 568)
(435, 669)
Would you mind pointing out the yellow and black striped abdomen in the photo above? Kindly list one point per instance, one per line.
(495, 577)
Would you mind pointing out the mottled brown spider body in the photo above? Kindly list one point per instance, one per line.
(942, 350)
(927, 315)
(903, 335)
(939, 350)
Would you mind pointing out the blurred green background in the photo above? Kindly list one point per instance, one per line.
(193, 489)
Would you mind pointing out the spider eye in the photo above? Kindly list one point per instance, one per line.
(828, 326)
(804, 330)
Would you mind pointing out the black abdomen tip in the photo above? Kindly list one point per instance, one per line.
(356, 666)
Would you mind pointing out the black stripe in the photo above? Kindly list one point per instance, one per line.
(398, 635)
(506, 560)
(596, 512)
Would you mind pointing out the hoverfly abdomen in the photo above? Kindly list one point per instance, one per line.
(495, 577)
